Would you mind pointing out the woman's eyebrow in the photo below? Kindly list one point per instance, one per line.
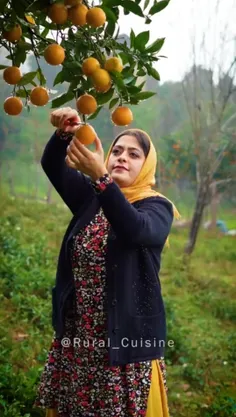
(119, 146)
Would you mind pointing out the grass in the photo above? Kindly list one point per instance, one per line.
(199, 298)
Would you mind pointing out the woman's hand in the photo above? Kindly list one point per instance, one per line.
(66, 119)
(81, 158)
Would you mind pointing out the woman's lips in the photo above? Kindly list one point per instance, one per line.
(121, 168)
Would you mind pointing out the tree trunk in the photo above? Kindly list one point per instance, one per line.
(197, 216)
(215, 199)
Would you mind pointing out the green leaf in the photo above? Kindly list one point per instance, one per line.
(141, 40)
(133, 89)
(104, 97)
(109, 14)
(143, 95)
(155, 46)
(124, 58)
(130, 80)
(37, 5)
(44, 33)
(94, 115)
(3, 67)
(132, 38)
(113, 102)
(25, 45)
(41, 77)
(19, 56)
(153, 72)
(141, 73)
(132, 7)
(110, 29)
(147, 20)
(146, 4)
(22, 93)
(111, 3)
(59, 78)
(71, 64)
(156, 8)
(3, 4)
(27, 78)
(62, 99)
(118, 80)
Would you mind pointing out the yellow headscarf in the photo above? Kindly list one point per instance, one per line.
(141, 188)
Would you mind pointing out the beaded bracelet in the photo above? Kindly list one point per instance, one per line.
(101, 183)
(64, 135)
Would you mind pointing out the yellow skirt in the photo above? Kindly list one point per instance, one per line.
(157, 405)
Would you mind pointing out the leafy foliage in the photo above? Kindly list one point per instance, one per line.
(80, 42)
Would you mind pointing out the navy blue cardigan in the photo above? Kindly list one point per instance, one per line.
(136, 324)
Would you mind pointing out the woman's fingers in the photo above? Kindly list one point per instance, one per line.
(74, 155)
(70, 163)
(59, 116)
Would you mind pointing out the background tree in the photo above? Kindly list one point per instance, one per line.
(209, 93)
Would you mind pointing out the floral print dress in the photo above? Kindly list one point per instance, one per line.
(77, 380)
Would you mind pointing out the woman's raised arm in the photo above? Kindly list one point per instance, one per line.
(73, 186)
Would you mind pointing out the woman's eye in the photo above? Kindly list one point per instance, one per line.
(132, 153)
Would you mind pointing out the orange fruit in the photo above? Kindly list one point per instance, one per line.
(86, 134)
(30, 19)
(58, 13)
(113, 64)
(122, 116)
(39, 96)
(90, 65)
(14, 34)
(13, 106)
(12, 75)
(101, 80)
(54, 54)
(77, 15)
(96, 17)
(86, 104)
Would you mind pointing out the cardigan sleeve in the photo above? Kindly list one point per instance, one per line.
(71, 185)
(148, 225)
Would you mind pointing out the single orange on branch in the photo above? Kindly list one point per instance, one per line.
(113, 64)
(77, 15)
(14, 34)
(86, 134)
(12, 75)
(122, 116)
(13, 106)
(86, 104)
(39, 96)
(90, 65)
(96, 17)
(101, 80)
(58, 13)
(54, 54)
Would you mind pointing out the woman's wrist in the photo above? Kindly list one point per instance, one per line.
(100, 183)
(64, 135)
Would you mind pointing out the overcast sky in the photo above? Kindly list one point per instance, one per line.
(178, 22)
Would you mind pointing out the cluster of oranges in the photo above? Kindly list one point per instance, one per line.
(79, 15)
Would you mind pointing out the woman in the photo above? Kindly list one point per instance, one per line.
(106, 356)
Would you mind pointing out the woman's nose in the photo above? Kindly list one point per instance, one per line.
(122, 158)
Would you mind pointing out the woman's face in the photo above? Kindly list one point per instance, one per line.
(126, 153)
